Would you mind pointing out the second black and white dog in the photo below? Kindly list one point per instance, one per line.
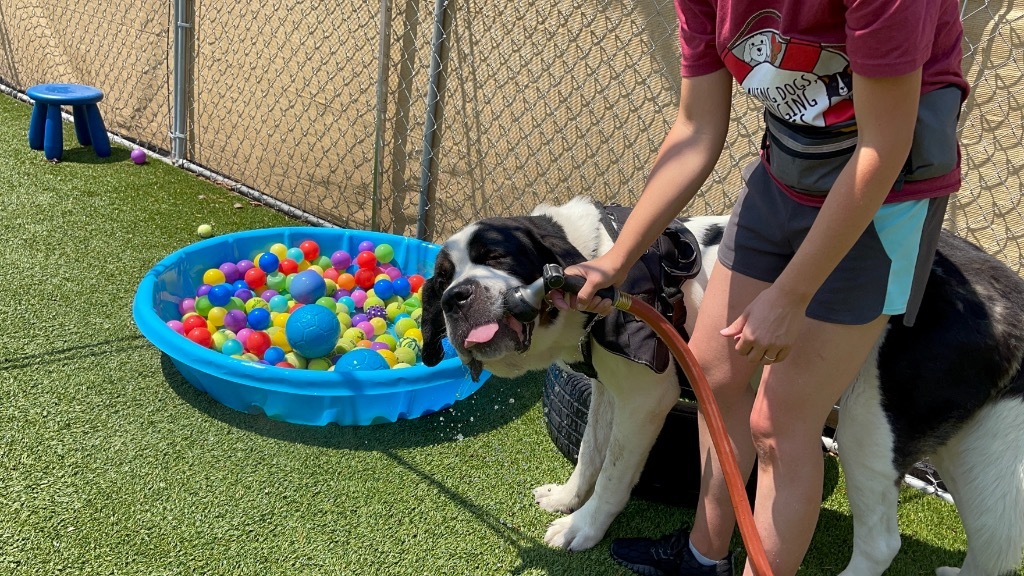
(951, 388)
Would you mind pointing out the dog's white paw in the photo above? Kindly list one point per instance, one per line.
(572, 533)
(947, 571)
(556, 498)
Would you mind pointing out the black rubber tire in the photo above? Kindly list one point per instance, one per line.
(672, 473)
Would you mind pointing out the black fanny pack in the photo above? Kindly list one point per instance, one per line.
(809, 160)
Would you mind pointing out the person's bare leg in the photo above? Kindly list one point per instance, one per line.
(727, 295)
(793, 401)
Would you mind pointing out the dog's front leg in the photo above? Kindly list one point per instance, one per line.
(636, 421)
(569, 497)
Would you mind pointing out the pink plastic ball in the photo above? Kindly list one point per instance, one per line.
(367, 329)
(186, 305)
(177, 326)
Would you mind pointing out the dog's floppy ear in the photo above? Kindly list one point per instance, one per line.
(432, 322)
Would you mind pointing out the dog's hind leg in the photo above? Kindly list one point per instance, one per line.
(569, 497)
(640, 406)
(866, 453)
(983, 468)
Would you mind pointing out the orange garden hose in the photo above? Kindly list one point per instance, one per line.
(716, 426)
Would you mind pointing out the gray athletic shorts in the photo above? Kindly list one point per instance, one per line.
(884, 273)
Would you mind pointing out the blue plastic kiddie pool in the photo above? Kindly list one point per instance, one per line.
(297, 396)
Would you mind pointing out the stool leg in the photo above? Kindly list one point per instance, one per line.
(81, 125)
(98, 132)
(37, 126)
(53, 142)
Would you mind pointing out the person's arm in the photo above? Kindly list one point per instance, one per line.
(685, 160)
(886, 111)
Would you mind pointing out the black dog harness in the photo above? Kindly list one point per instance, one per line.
(657, 279)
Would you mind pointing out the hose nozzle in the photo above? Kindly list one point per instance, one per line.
(523, 302)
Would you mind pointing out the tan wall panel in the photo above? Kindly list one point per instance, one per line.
(120, 47)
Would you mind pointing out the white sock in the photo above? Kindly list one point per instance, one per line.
(700, 557)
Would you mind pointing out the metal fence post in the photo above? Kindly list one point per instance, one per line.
(383, 51)
(178, 121)
(430, 125)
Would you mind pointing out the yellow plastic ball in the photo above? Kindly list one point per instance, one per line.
(278, 338)
(213, 276)
(216, 316)
(416, 334)
(389, 356)
(280, 250)
(380, 325)
(279, 319)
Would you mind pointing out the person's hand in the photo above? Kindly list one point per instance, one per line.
(764, 333)
(599, 273)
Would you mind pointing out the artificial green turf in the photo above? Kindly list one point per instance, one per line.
(110, 463)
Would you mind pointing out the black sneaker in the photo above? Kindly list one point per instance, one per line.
(669, 555)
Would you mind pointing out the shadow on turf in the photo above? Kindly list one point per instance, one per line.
(71, 353)
(85, 155)
(472, 416)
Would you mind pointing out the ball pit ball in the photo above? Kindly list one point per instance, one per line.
(341, 259)
(201, 336)
(204, 231)
(310, 250)
(384, 253)
(232, 347)
(307, 286)
(365, 246)
(138, 156)
(361, 359)
(312, 331)
(257, 342)
(268, 262)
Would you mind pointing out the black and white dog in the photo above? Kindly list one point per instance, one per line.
(951, 388)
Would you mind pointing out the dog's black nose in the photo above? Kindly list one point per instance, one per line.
(456, 297)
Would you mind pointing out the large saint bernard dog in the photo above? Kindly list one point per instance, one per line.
(951, 388)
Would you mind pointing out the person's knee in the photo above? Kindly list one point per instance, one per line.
(765, 437)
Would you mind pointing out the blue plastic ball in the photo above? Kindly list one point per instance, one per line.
(383, 289)
(274, 354)
(259, 319)
(362, 359)
(307, 286)
(220, 294)
(268, 262)
(312, 331)
(402, 287)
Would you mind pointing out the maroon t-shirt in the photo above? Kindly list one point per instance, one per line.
(797, 56)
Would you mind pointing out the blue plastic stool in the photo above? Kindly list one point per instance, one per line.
(46, 129)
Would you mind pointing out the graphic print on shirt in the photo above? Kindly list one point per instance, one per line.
(801, 82)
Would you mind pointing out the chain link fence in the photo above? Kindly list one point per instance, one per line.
(417, 116)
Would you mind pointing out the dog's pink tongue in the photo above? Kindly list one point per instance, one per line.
(481, 334)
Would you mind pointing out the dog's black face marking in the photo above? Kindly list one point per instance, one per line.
(463, 299)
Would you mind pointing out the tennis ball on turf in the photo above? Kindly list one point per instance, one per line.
(204, 230)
